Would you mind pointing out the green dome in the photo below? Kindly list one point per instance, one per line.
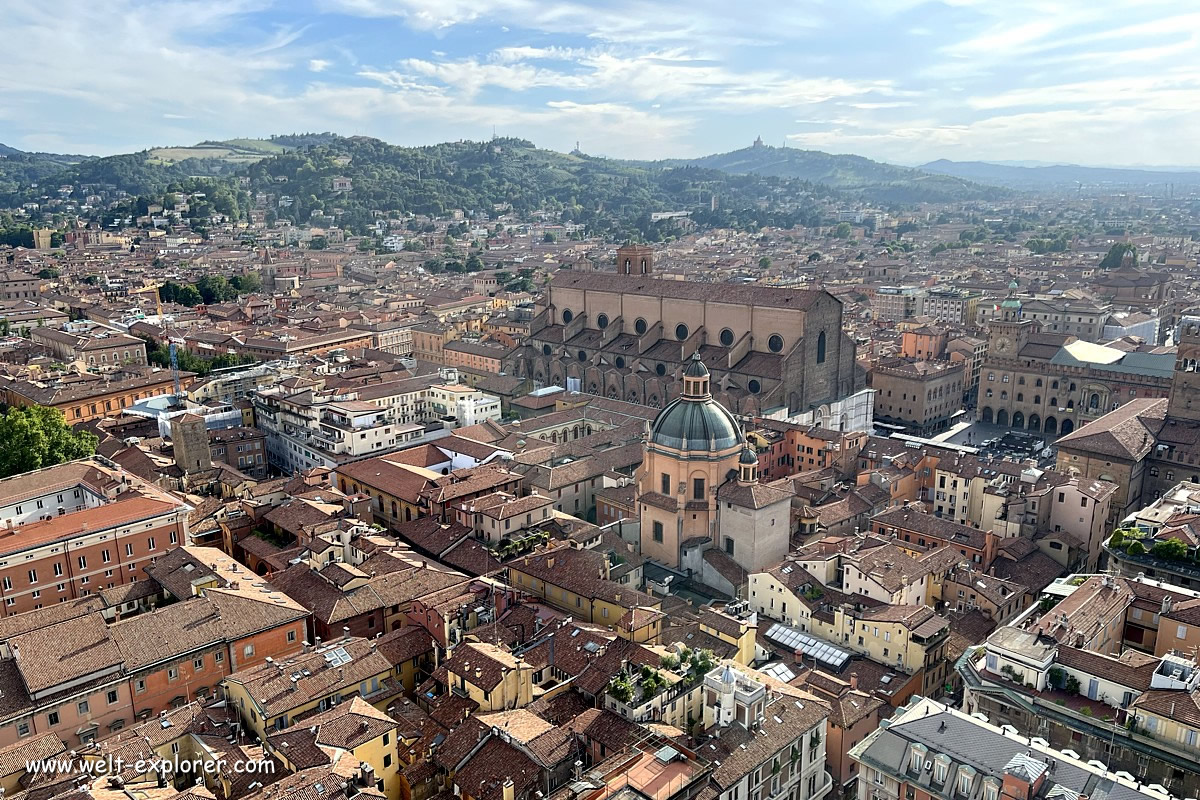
(696, 368)
(689, 423)
(748, 457)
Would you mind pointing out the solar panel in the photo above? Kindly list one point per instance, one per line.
(337, 657)
(804, 645)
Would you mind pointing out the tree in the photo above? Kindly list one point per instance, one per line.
(188, 296)
(1116, 254)
(48, 273)
(33, 437)
(1136, 548)
(764, 262)
(318, 243)
(814, 256)
(249, 283)
(215, 289)
(1170, 549)
(549, 237)
(842, 231)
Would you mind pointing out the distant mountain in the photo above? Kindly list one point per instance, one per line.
(872, 180)
(60, 158)
(1059, 176)
(609, 196)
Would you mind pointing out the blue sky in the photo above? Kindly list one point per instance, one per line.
(906, 81)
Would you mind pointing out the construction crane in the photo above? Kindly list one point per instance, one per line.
(172, 343)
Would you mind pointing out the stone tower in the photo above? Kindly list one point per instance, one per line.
(1185, 384)
(635, 259)
(189, 435)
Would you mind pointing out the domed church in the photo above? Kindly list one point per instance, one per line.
(698, 488)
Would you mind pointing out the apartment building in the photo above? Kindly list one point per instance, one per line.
(897, 303)
(19, 286)
(271, 696)
(930, 750)
(101, 348)
(244, 448)
(1106, 673)
(72, 672)
(83, 398)
(475, 355)
(946, 304)
(79, 528)
(308, 427)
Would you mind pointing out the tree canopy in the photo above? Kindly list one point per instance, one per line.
(1116, 254)
(33, 437)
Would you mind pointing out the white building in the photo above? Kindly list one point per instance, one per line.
(768, 738)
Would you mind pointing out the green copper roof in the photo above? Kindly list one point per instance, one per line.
(695, 424)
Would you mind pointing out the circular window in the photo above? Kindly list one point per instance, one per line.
(681, 331)
(639, 326)
(583, 355)
(602, 321)
(726, 337)
(775, 343)
(567, 316)
(620, 362)
(754, 386)
(660, 369)
(546, 349)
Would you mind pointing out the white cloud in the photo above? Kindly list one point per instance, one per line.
(318, 65)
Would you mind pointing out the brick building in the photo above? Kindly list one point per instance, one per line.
(79, 528)
(922, 396)
(629, 336)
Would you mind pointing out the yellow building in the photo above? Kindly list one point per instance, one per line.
(577, 582)
(354, 728)
(491, 676)
(270, 696)
(737, 631)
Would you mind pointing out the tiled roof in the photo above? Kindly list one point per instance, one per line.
(1127, 433)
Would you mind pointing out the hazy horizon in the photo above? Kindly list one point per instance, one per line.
(1111, 82)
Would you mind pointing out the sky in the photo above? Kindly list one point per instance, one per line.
(1104, 82)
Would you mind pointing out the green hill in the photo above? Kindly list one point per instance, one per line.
(872, 180)
(19, 169)
(481, 176)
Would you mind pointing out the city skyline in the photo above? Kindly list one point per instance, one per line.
(902, 81)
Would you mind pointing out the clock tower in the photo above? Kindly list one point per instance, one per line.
(1008, 333)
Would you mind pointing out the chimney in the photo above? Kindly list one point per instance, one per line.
(853, 681)
(345, 632)
(508, 792)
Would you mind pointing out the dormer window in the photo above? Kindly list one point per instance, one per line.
(941, 768)
(966, 776)
(991, 790)
(916, 757)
